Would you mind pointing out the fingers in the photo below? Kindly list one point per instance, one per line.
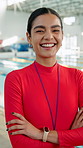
(81, 124)
(20, 124)
(14, 121)
(79, 113)
(17, 132)
(78, 121)
(15, 127)
(19, 116)
(80, 118)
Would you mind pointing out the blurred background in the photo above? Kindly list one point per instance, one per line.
(15, 51)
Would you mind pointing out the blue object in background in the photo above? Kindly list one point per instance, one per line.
(21, 46)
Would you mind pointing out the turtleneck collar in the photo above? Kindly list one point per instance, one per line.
(45, 69)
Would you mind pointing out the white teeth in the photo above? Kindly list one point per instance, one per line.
(47, 45)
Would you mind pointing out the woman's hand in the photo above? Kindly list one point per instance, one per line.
(78, 122)
(24, 127)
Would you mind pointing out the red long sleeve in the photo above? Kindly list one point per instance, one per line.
(71, 137)
(24, 95)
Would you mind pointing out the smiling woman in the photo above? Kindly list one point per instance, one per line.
(46, 37)
(42, 99)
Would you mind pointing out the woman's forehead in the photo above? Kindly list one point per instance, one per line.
(46, 19)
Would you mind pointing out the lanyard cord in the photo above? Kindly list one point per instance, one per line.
(57, 97)
(58, 93)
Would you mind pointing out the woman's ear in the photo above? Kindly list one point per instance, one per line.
(62, 34)
(28, 37)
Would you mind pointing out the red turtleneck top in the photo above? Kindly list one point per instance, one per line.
(24, 94)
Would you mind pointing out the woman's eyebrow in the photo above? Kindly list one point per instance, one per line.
(54, 26)
(39, 26)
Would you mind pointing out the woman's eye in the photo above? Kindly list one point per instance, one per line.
(39, 31)
(56, 30)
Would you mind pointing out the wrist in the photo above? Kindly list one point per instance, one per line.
(40, 135)
(53, 137)
(43, 134)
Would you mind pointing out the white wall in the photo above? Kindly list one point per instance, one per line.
(13, 23)
(76, 29)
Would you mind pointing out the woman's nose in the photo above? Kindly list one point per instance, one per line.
(48, 35)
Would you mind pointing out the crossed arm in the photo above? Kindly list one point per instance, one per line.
(24, 127)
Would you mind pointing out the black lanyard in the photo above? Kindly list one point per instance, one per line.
(46, 96)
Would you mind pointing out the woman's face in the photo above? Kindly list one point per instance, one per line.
(46, 36)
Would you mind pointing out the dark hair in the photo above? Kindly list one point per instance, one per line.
(38, 12)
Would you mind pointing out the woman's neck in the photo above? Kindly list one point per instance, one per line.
(48, 62)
